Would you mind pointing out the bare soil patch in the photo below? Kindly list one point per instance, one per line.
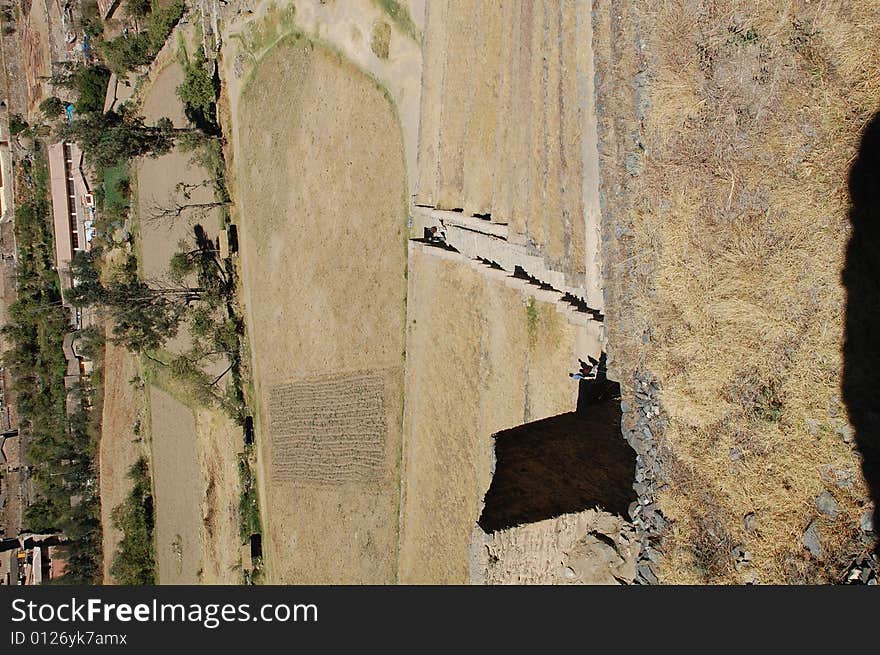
(123, 412)
(220, 441)
(178, 490)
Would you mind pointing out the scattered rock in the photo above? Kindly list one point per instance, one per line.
(634, 508)
(844, 478)
(632, 163)
(811, 540)
(826, 504)
(646, 575)
(751, 578)
(625, 407)
(750, 522)
(846, 433)
(813, 426)
(735, 454)
(867, 523)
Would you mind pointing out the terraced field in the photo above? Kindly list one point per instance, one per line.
(507, 130)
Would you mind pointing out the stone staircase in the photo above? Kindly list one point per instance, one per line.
(505, 135)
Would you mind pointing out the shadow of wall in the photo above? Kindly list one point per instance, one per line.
(861, 277)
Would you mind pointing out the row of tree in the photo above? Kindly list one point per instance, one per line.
(61, 445)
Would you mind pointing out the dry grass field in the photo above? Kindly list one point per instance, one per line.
(480, 358)
(320, 186)
(734, 233)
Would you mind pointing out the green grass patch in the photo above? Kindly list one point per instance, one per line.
(249, 502)
(117, 190)
(532, 318)
(400, 15)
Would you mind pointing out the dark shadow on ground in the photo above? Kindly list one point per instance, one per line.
(861, 277)
(562, 464)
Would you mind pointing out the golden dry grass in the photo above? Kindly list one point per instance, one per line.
(320, 184)
(740, 218)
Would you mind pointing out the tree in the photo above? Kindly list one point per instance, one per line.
(90, 19)
(145, 315)
(113, 136)
(173, 208)
(126, 52)
(138, 8)
(52, 107)
(198, 92)
(91, 83)
(204, 262)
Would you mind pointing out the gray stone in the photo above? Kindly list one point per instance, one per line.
(735, 454)
(846, 433)
(810, 540)
(844, 478)
(813, 426)
(652, 554)
(750, 522)
(647, 574)
(751, 578)
(826, 504)
(659, 522)
(625, 407)
(867, 523)
(632, 163)
(634, 508)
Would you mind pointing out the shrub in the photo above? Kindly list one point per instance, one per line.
(52, 107)
(17, 124)
(134, 562)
